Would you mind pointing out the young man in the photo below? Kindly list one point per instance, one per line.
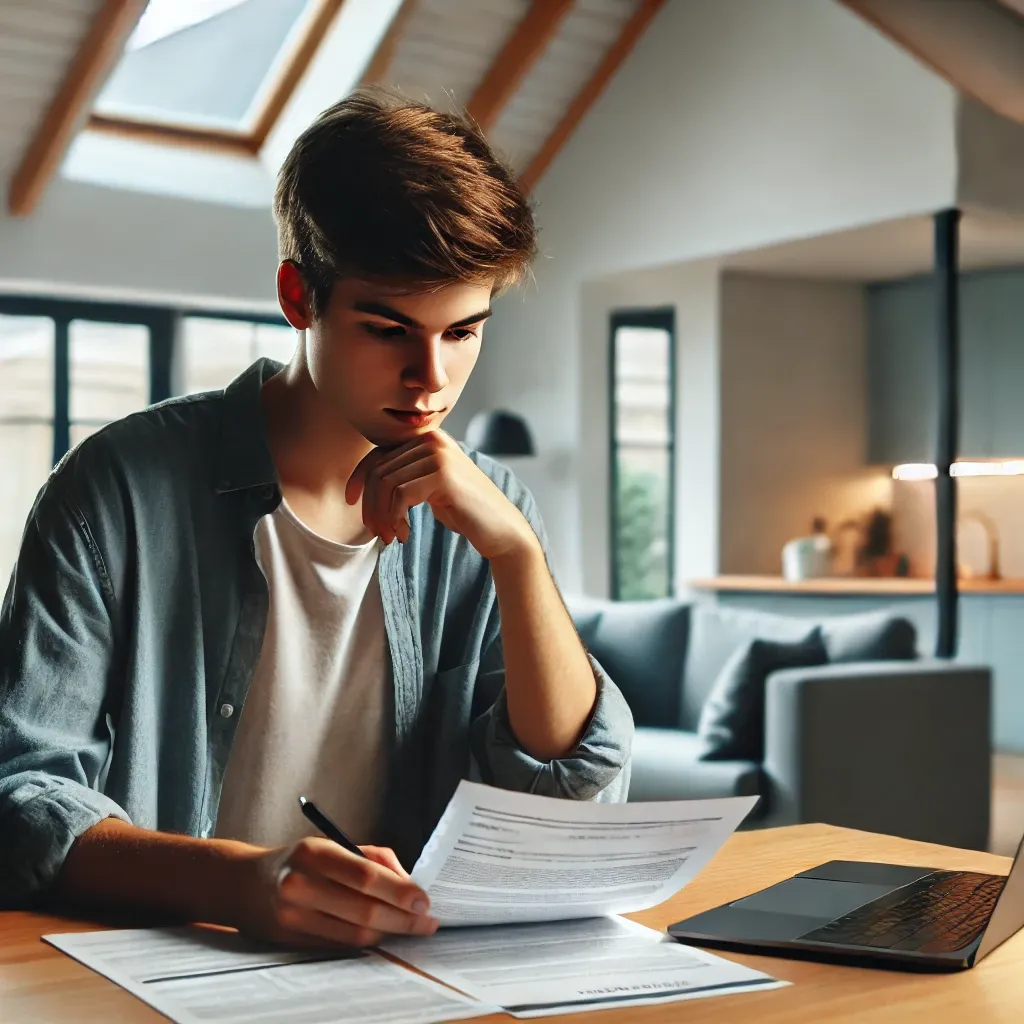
(301, 585)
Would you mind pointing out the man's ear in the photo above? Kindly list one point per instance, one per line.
(293, 296)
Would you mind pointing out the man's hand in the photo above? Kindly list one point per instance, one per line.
(434, 469)
(317, 893)
(310, 893)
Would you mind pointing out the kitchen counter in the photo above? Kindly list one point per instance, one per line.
(852, 586)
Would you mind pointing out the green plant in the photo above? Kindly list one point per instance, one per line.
(642, 544)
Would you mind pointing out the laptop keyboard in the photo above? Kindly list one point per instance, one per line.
(945, 914)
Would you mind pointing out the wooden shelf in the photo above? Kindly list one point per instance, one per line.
(851, 586)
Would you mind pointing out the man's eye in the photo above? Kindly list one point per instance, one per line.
(379, 331)
(462, 333)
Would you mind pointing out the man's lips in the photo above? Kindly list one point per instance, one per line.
(414, 417)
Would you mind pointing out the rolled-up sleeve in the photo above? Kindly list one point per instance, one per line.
(596, 769)
(55, 674)
(598, 766)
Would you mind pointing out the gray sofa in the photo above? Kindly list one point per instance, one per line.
(898, 744)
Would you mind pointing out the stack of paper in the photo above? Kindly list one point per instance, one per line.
(500, 859)
(206, 976)
(528, 890)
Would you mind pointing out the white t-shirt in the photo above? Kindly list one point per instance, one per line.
(314, 719)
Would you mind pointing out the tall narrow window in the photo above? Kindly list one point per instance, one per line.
(642, 453)
(27, 346)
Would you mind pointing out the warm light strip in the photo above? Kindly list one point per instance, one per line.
(927, 471)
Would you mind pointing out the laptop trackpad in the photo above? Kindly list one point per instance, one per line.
(813, 897)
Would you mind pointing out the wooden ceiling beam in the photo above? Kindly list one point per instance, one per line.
(224, 141)
(376, 72)
(617, 53)
(522, 50)
(101, 47)
(293, 71)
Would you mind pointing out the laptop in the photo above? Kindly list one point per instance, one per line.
(875, 915)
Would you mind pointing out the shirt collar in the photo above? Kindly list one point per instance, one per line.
(245, 459)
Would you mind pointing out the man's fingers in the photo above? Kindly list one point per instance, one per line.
(300, 926)
(380, 482)
(302, 891)
(326, 859)
(396, 490)
(384, 855)
(357, 481)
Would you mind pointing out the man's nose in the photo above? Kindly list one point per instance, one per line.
(429, 372)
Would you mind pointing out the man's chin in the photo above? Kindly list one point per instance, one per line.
(392, 435)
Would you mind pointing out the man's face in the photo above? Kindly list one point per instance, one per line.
(393, 364)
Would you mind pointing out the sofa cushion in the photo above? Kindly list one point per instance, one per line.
(586, 614)
(871, 636)
(641, 645)
(732, 722)
(665, 766)
(715, 634)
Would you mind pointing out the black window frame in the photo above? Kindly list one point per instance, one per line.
(163, 323)
(660, 318)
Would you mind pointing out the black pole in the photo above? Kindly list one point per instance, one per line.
(948, 350)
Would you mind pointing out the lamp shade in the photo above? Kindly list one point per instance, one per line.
(497, 432)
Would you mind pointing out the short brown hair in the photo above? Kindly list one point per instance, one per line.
(381, 188)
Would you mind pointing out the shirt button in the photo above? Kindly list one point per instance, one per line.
(227, 710)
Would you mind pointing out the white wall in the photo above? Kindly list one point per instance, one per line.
(731, 125)
(691, 290)
(101, 242)
(793, 415)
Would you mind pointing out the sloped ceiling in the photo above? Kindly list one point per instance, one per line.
(977, 45)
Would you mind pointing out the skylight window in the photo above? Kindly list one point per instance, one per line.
(208, 64)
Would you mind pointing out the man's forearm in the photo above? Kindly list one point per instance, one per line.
(549, 683)
(117, 866)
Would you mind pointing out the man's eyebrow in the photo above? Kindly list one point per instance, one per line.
(382, 310)
(474, 319)
(379, 309)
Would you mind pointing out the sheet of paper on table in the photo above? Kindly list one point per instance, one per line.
(534, 970)
(207, 976)
(499, 857)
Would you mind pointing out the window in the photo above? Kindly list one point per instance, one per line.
(26, 421)
(642, 390)
(233, 51)
(68, 367)
(215, 351)
(108, 374)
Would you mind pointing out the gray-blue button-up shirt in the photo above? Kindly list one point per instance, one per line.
(135, 615)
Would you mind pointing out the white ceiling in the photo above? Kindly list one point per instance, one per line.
(38, 39)
(890, 249)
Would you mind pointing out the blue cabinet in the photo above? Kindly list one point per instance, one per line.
(998, 299)
(902, 367)
(902, 374)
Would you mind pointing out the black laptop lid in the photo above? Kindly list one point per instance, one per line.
(1008, 915)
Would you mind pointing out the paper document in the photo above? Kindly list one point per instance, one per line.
(498, 857)
(202, 976)
(532, 970)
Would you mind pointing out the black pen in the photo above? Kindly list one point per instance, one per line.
(329, 829)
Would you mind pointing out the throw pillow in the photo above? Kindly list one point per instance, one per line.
(873, 636)
(732, 721)
(642, 645)
(716, 633)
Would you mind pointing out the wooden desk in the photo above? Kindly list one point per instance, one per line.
(39, 984)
